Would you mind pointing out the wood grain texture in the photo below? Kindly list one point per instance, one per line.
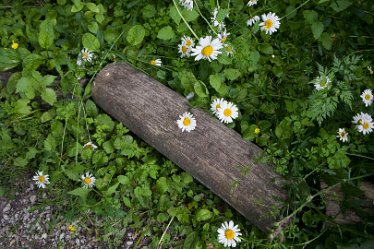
(213, 153)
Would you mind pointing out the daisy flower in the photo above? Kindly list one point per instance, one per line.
(228, 112)
(342, 135)
(72, 228)
(370, 70)
(223, 36)
(188, 41)
(321, 82)
(86, 55)
(365, 123)
(14, 45)
(253, 20)
(228, 234)
(207, 49)
(88, 180)
(186, 122)
(270, 23)
(229, 50)
(361, 116)
(90, 145)
(252, 3)
(367, 97)
(40, 179)
(156, 62)
(184, 50)
(220, 25)
(188, 4)
(216, 105)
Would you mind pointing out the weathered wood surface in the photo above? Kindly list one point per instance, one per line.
(213, 153)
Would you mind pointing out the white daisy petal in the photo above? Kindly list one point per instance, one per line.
(207, 49)
(86, 55)
(40, 179)
(227, 113)
(90, 145)
(88, 180)
(188, 4)
(270, 23)
(252, 3)
(367, 97)
(156, 62)
(216, 105)
(228, 234)
(186, 122)
(342, 135)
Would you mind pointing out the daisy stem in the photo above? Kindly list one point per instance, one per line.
(295, 9)
(164, 233)
(358, 155)
(184, 20)
(201, 14)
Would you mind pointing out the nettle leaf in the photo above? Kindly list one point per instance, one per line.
(46, 34)
(22, 107)
(317, 29)
(203, 214)
(90, 42)
(166, 33)
(49, 96)
(340, 5)
(25, 85)
(135, 35)
(232, 73)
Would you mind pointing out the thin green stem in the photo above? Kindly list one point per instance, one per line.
(164, 233)
(201, 14)
(357, 155)
(295, 9)
(184, 20)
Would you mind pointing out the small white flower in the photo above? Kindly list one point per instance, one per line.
(342, 135)
(321, 82)
(188, 4)
(364, 123)
(184, 50)
(228, 112)
(220, 25)
(190, 95)
(207, 49)
(88, 180)
(270, 23)
(90, 145)
(87, 55)
(253, 20)
(252, 3)
(79, 60)
(188, 41)
(216, 105)
(229, 50)
(370, 70)
(40, 179)
(186, 122)
(156, 62)
(360, 116)
(228, 234)
(223, 36)
(367, 97)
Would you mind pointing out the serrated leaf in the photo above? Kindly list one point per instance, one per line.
(162, 185)
(50, 143)
(90, 42)
(135, 35)
(317, 29)
(81, 192)
(231, 73)
(49, 96)
(46, 34)
(22, 107)
(166, 33)
(203, 214)
(215, 81)
(26, 85)
(174, 15)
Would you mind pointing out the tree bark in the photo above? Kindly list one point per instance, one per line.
(214, 154)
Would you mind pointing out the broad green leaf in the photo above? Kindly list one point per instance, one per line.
(310, 16)
(112, 189)
(26, 85)
(78, 6)
(189, 242)
(22, 107)
(20, 161)
(93, 27)
(215, 81)
(174, 15)
(93, 7)
(46, 34)
(203, 214)
(12, 82)
(48, 116)
(127, 202)
(108, 147)
(190, 15)
(8, 59)
(90, 42)
(162, 217)
(326, 41)
(266, 48)
(135, 35)
(49, 96)
(149, 11)
(50, 143)
(340, 5)
(201, 89)
(81, 192)
(123, 179)
(162, 185)
(317, 29)
(91, 108)
(222, 14)
(231, 73)
(166, 33)
(32, 62)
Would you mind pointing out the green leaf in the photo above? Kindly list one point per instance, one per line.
(81, 192)
(20, 161)
(203, 214)
(112, 189)
(32, 62)
(166, 33)
(135, 35)
(190, 15)
(162, 185)
(215, 81)
(93, 27)
(231, 73)
(310, 16)
(222, 14)
(26, 85)
(189, 242)
(326, 40)
(49, 96)
(46, 34)
(21, 107)
(149, 11)
(91, 108)
(266, 48)
(93, 7)
(174, 15)
(78, 6)
(317, 29)
(339, 160)
(8, 59)
(123, 180)
(50, 143)
(340, 5)
(201, 89)
(90, 42)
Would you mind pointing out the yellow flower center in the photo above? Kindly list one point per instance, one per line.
(71, 228)
(85, 56)
(257, 130)
(366, 125)
(268, 24)
(186, 122)
(41, 179)
(229, 234)
(153, 62)
(188, 42)
(87, 180)
(218, 106)
(224, 39)
(367, 97)
(227, 112)
(15, 45)
(207, 51)
(184, 49)
(228, 48)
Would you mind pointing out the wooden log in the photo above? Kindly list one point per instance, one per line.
(214, 154)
